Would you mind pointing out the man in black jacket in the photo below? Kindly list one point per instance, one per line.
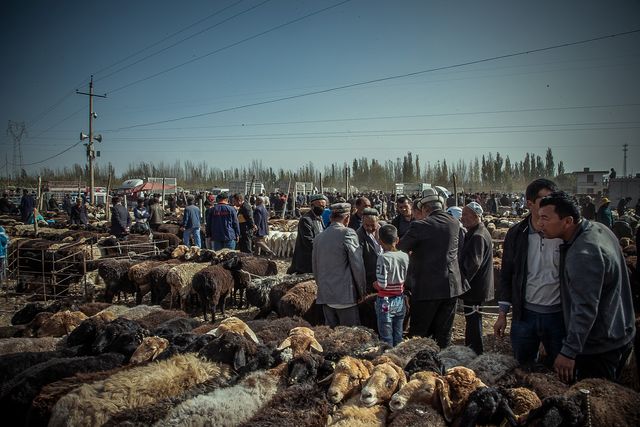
(367, 237)
(309, 226)
(402, 221)
(120, 219)
(476, 267)
(247, 224)
(530, 284)
(437, 283)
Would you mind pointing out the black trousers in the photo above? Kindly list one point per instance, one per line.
(473, 327)
(607, 365)
(246, 238)
(433, 318)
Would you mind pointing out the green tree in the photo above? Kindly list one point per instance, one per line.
(549, 164)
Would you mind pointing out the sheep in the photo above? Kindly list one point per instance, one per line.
(300, 301)
(277, 330)
(254, 266)
(234, 326)
(88, 330)
(27, 313)
(19, 345)
(422, 388)
(522, 400)
(171, 239)
(116, 310)
(148, 350)
(169, 228)
(277, 291)
(417, 415)
(425, 360)
(491, 367)
(347, 378)
(543, 384)
(349, 341)
(140, 311)
(158, 282)
(308, 366)
(14, 363)
(459, 383)
(456, 355)
(557, 411)
(408, 349)
(120, 336)
(61, 323)
(356, 414)
(92, 308)
(173, 327)
(300, 339)
(386, 378)
(155, 319)
(213, 284)
(486, 405)
(139, 276)
(232, 349)
(298, 405)
(20, 391)
(92, 405)
(179, 280)
(258, 289)
(115, 274)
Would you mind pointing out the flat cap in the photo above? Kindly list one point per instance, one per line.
(475, 206)
(315, 197)
(341, 208)
(370, 212)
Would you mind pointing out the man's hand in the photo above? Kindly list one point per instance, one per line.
(500, 325)
(564, 367)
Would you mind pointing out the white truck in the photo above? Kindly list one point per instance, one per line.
(245, 187)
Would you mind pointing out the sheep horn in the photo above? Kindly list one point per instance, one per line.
(444, 399)
(316, 345)
(326, 379)
(251, 334)
(285, 344)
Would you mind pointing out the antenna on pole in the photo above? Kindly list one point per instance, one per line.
(625, 148)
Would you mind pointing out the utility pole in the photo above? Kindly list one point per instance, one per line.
(625, 148)
(91, 155)
(17, 132)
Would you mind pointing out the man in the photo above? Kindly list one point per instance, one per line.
(120, 219)
(589, 209)
(222, 224)
(596, 294)
(79, 213)
(52, 204)
(356, 220)
(403, 220)
(309, 226)
(476, 267)
(339, 269)
(191, 223)
(261, 219)
(140, 216)
(156, 213)
(530, 284)
(5, 204)
(436, 281)
(622, 205)
(368, 240)
(247, 225)
(27, 205)
(604, 215)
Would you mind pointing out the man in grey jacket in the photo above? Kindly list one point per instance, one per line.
(595, 292)
(338, 268)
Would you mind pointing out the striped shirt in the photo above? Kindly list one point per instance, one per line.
(391, 272)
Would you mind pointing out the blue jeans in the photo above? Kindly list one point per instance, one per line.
(534, 328)
(224, 244)
(390, 313)
(195, 232)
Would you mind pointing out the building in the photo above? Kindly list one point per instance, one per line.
(624, 187)
(590, 182)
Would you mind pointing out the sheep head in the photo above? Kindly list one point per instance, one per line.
(234, 326)
(300, 339)
(192, 252)
(420, 388)
(303, 368)
(347, 378)
(179, 251)
(459, 382)
(149, 349)
(61, 323)
(386, 378)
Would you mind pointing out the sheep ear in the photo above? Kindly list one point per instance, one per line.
(285, 344)
(402, 377)
(368, 365)
(316, 346)
(444, 399)
(239, 359)
(326, 379)
(213, 332)
(251, 334)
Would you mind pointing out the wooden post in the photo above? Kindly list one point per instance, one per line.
(39, 203)
(162, 194)
(455, 189)
(107, 211)
(286, 202)
(321, 192)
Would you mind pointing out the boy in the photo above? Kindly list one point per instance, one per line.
(391, 272)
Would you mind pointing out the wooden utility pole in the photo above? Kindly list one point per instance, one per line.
(91, 154)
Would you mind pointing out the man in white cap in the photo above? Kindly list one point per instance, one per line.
(436, 284)
(310, 225)
(476, 267)
(339, 270)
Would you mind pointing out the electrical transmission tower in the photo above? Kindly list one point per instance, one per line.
(17, 132)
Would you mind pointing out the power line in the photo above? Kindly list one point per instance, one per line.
(381, 79)
(277, 27)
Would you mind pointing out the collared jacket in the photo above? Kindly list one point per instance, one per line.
(513, 273)
(310, 226)
(261, 219)
(120, 220)
(191, 218)
(79, 215)
(369, 256)
(434, 243)
(156, 212)
(245, 217)
(222, 223)
(476, 264)
(338, 266)
(27, 204)
(595, 290)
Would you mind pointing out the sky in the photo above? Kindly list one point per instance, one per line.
(292, 81)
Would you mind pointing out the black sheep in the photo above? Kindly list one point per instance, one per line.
(231, 349)
(158, 283)
(259, 290)
(486, 405)
(308, 367)
(173, 327)
(14, 363)
(120, 336)
(85, 334)
(424, 360)
(255, 266)
(18, 393)
(558, 411)
(115, 274)
(213, 284)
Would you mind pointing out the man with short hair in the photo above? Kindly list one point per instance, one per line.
(596, 294)
(436, 281)
(530, 284)
(79, 213)
(27, 205)
(476, 267)
(589, 209)
(191, 223)
(310, 225)
(339, 269)
(247, 225)
(356, 219)
(261, 219)
(222, 224)
(120, 219)
(402, 221)
(156, 213)
(368, 240)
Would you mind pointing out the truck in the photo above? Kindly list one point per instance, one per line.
(245, 187)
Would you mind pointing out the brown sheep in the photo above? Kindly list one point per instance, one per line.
(61, 323)
(212, 285)
(300, 340)
(348, 377)
(139, 275)
(386, 378)
(148, 350)
(420, 389)
(234, 326)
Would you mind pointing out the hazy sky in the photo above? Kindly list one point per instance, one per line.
(183, 78)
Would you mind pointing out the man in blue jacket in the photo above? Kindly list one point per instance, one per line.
(191, 223)
(595, 290)
(222, 224)
(120, 219)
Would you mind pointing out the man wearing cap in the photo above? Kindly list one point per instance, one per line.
(356, 219)
(436, 283)
(604, 215)
(476, 267)
(222, 224)
(310, 225)
(338, 268)
(191, 223)
(367, 238)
